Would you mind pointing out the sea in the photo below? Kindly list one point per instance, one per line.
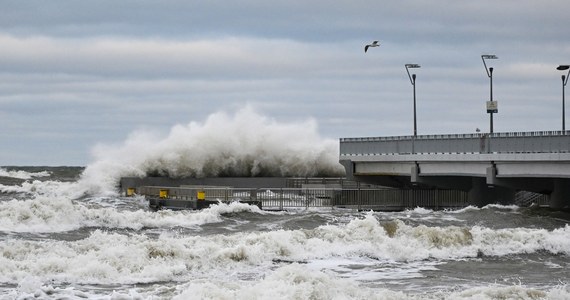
(68, 233)
(60, 239)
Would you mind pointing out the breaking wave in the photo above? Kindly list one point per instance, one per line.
(244, 144)
(106, 257)
(293, 281)
(45, 214)
(21, 174)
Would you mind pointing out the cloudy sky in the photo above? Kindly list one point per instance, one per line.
(74, 74)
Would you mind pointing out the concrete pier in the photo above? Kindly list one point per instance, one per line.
(491, 168)
(559, 197)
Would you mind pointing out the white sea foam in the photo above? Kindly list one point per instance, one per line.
(510, 208)
(521, 240)
(501, 207)
(21, 174)
(463, 210)
(32, 288)
(297, 282)
(105, 258)
(243, 144)
(44, 188)
(510, 292)
(421, 211)
(59, 214)
(288, 282)
(292, 282)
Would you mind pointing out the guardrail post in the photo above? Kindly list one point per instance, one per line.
(359, 199)
(281, 200)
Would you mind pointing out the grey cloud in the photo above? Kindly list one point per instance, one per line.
(76, 73)
(445, 20)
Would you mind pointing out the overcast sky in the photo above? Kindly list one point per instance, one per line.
(74, 74)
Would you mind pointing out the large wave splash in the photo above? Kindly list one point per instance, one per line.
(244, 144)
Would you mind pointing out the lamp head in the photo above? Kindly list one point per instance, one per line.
(413, 66)
(489, 56)
(563, 67)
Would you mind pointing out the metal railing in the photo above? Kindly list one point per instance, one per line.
(525, 198)
(505, 142)
(327, 182)
(399, 199)
(284, 198)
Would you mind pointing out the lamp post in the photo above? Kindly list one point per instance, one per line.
(413, 81)
(491, 107)
(564, 82)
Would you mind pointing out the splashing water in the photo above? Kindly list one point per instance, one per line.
(245, 144)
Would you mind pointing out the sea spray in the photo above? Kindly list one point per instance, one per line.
(243, 144)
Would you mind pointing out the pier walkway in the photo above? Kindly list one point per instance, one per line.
(380, 199)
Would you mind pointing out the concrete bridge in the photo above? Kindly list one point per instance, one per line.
(490, 167)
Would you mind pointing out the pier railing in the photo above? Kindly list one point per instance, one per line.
(287, 198)
(506, 142)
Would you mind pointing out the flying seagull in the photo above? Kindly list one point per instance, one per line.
(374, 44)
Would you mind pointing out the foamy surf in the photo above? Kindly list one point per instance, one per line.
(44, 188)
(53, 245)
(297, 282)
(114, 258)
(289, 282)
(60, 214)
(21, 174)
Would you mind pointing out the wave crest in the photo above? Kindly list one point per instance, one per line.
(245, 144)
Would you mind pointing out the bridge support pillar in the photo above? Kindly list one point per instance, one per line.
(560, 196)
(482, 194)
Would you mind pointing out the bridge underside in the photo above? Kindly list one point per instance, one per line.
(486, 181)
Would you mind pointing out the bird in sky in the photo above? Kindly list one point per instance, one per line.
(374, 44)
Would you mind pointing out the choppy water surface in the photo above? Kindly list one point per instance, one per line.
(56, 242)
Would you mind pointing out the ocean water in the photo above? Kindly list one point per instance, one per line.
(62, 239)
(66, 233)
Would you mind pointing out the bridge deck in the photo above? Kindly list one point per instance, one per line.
(534, 161)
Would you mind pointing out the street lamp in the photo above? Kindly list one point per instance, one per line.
(564, 82)
(413, 81)
(491, 107)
